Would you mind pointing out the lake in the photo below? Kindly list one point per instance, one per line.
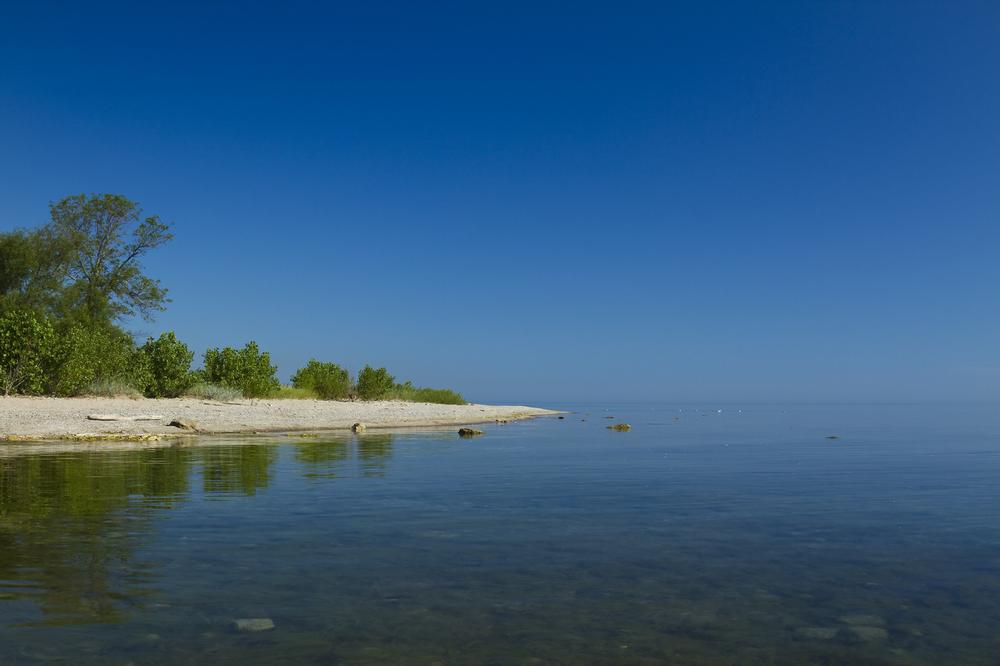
(708, 534)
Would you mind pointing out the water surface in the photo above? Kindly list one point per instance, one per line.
(740, 536)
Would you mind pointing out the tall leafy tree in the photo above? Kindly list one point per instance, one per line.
(103, 239)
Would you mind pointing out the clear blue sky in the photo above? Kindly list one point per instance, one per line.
(544, 201)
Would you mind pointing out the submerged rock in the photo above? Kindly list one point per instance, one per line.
(253, 624)
(866, 619)
(620, 427)
(818, 633)
(869, 633)
(469, 432)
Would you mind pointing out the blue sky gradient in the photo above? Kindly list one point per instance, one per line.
(544, 201)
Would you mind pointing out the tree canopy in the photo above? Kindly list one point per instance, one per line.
(86, 263)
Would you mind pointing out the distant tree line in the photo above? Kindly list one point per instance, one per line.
(66, 288)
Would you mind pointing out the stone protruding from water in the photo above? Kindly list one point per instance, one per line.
(184, 424)
(358, 427)
(620, 427)
(469, 432)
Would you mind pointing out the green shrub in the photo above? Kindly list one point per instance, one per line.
(374, 384)
(26, 348)
(206, 391)
(112, 388)
(411, 393)
(88, 354)
(328, 380)
(294, 393)
(247, 369)
(169, 362)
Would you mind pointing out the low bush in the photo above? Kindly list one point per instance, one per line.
(84, 355)
(206, 391)
(416, 394)
(374, 384)
(294, 393)
(247, 369)
(169, 363)
(329, 381)
(27, 343)
(112, 388)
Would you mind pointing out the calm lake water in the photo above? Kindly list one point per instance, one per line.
(741, 536)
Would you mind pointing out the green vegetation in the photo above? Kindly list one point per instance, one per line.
(247, 369)
(67, 287)
(89, 354)
(294, 393)
(411, 393)
(26, 346)
(169, 363)
(329, 381)
(374, 384)
(206, 391)
(112, 388)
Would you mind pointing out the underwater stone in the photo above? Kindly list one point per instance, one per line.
(253, 624)
(821, 633)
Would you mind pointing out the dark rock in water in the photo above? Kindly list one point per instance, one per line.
(832, 437)
(469, 432)
(358, 427)
(609, 417)
(561, 418)
(254, 624)
(184, 424)
(620, 427)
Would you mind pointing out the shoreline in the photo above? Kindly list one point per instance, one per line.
(27, 419)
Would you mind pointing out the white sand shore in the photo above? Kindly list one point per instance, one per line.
(30, 418)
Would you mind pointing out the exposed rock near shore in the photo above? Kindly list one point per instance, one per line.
(32, 419)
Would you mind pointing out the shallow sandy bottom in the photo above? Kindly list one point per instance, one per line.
(57, 418)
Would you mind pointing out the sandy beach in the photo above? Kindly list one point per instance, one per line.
(39, 418)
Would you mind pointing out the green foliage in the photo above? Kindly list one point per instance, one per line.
(411, 393)
(84, 266)
(88, 354)
(206, 391)
(112, 388)
(26, 348)
(247, 369)
(328, 380)
(169, 363)
(293, 393)
(104, 237)
(374, 384)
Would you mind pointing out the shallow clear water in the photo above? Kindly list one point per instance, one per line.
(700, 537)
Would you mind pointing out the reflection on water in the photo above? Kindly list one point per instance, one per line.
(701, 537)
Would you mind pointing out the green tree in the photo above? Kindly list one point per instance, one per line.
(101, 239)
(169, 363)
(374, 384)
(26, 348)
(249, 370)
(32, 270)
(328, 380)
